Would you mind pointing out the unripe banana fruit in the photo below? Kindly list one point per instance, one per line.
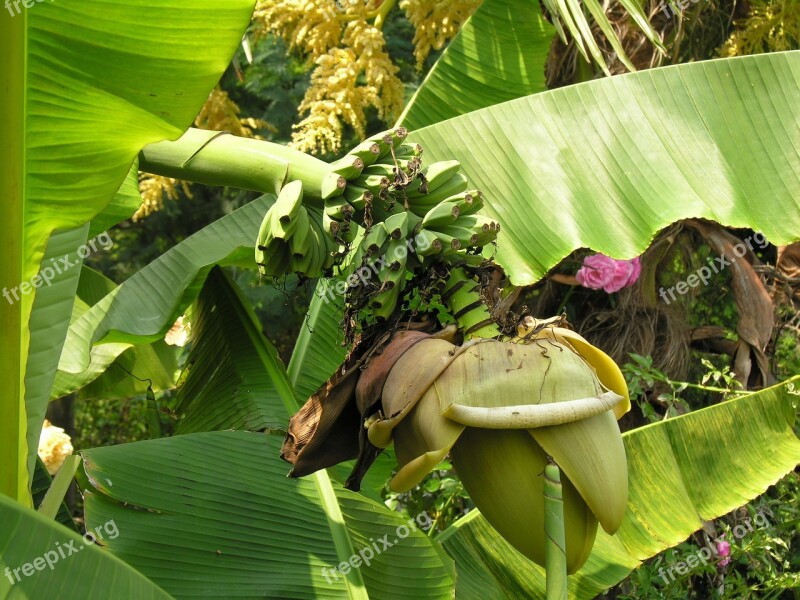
(291, 240)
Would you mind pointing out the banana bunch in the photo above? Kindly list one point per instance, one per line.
(293, 238)
(384, 175)
(412, 215)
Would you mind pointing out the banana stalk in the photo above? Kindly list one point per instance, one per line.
(555, 554)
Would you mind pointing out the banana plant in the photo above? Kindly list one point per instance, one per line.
(565, 157)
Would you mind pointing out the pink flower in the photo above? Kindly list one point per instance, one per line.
(622, 274)
(637, 271)
(724, 551)
(597, 271)
(602, 272)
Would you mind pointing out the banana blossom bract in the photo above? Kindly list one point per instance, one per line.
(500, 408)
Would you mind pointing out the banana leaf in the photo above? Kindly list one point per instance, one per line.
(143, 308)
(30, 543)
(84, 85)
(498, 55)
(111, 374)
(607, 164)
(233, 378)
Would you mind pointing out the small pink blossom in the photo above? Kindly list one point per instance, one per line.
(602, 272)
(637, 271)
(724, 551)
(597, 271)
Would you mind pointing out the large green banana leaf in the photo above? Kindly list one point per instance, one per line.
(606, 164)
(498, 55)
(84, 85)
(233, 378)
(48, 328)
(143, 308)
(220, 516)
(698, 466)
(214, 515)
(85, 572)
(135, 369)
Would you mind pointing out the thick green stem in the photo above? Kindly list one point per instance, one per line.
(215, 158)
(463, 298)
(555, 555)
(14, 313)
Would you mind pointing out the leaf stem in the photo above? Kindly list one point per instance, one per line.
(555, 556)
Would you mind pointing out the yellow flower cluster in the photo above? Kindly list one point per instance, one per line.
(345, 82)
(54, 447)
(311, 27)
(352, 69)
(154, 188)
(219, 113)
(772, 26)
(436, 22)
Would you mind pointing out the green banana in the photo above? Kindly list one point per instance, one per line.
(479, 223)
(374, 183)
(264, 232)
(467, 237)
(349, 167)
(449, 243)
(468, 203)
(274, 261)
(408, 151)
(375, 239)
(285, 210)
(397, 257)
(389, 139)
(434, 177)
(426, 243)
(324, 241)
(300, 238)
(400, 225)
(358, 197)
(333, 184)
(367, 152)
(441, 215)
(339, 208)
(421, 204)
(384, 304)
